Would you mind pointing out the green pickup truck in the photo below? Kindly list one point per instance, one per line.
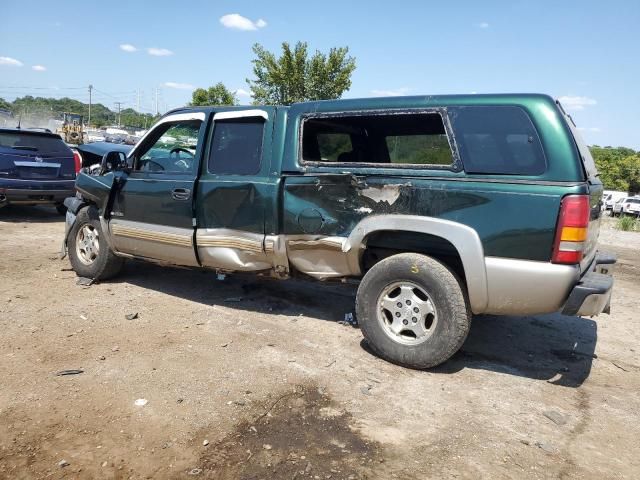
(441, 207)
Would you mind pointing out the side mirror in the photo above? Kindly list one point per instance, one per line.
(113, 161)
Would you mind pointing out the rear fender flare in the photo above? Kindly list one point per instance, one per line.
(463, 238)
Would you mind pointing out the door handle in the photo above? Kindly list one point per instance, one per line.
(181, 194)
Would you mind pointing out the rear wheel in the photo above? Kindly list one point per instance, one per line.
(412, 310)
(89, 252)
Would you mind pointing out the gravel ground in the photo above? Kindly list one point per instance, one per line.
(252, 378)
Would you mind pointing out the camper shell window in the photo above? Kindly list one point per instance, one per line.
(384, 139)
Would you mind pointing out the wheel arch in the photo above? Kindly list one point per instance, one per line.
(463, 239)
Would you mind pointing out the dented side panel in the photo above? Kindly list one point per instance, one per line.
(512, 220)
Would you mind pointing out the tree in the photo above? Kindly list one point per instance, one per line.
(619, 168)
(294, 77)
(218, 94)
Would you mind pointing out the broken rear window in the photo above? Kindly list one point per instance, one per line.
(386, 139)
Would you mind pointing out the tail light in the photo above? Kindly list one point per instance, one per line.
(571, 233)
(77, 159)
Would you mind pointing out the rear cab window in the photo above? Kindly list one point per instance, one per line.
(33, 142)
(383, 139)
(499, 140)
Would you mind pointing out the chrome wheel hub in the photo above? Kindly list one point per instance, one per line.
(406, 313)
(87, 244)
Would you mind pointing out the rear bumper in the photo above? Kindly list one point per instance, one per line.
(33, 192)
(592, 294)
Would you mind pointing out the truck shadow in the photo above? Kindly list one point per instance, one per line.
(246, 292)
(30, 214)
(555, 348)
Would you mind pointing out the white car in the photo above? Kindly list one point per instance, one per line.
(627, 206)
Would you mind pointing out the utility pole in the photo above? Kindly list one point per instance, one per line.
(157, 92)
(119, 104)
(137, 100)
(89, 121)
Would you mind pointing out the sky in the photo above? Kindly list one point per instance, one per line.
(583, 52)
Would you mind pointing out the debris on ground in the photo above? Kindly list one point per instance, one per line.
(233, 299)
(141, 402)
(195, 471)
(63, 463)
(63, 373)
(131, 316)
(205, 443)
(555, 417)
(84, 282)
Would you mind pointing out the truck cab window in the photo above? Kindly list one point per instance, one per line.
(171, 149)
(236, 148)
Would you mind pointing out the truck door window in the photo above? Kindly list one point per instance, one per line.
(378, 138)
(236, 148)
(171, 148)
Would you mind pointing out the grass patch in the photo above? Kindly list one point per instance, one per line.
(628, 224)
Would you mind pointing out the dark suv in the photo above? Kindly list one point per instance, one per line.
(36, 167)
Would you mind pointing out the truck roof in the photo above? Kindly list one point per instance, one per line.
(392, 102)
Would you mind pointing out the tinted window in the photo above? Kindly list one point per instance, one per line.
(35, 143)
(497, 140)
(236, 147)
(390, 138)
(633, 200)
(171, 148)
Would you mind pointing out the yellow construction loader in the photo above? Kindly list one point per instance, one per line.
(71, 130)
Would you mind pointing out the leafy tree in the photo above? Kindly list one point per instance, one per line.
(619, 168)
(294, 77)
(218, 94)
(4, 105)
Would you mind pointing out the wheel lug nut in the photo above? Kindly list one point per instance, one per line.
(408, 302)
(416, 309)
(405, 322)
(399, 305)
(414, 319)
(397, 314)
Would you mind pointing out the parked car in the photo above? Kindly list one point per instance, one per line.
(420, 199)
(610, 197)
(36, 167)
(626, 206)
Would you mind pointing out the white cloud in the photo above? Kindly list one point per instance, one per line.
(483, 25)
(127, 47)
(241, 92)
(10, 62)
(571, 102)
(238, 22)
(590, 129)
(179, 86)
(39, 68)
(159, 52)
(391, 93)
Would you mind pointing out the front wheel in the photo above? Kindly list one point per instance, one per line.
(412, 310)
(89, 252)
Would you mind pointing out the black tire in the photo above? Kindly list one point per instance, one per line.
(62, 210)
(105, 263)
(451, 319)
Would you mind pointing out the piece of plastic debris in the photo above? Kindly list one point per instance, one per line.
(195, 471)
(62, 373)
(83, 317)
(221, 277)
(266, 446)
(348, 317)
(63, 463)
(233, 299)
(141, 402)
(84, 281)
(226, 344)
(131, 316)
(205, 443)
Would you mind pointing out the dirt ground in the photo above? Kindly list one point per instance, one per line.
(250, 378)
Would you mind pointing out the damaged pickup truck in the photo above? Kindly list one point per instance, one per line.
(441, 207)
